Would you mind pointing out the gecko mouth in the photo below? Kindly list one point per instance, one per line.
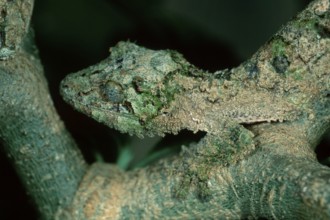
(67, 92)
(86, 100)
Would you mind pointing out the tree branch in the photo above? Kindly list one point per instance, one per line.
(42, 152)
(257, 170)
(272, 173)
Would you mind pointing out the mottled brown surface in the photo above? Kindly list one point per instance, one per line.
(262, 122)
(265, 169)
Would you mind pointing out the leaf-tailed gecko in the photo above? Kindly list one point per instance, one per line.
(146, 92)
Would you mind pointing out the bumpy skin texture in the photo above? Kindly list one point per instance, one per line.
(141, 91)
(262, 120)
(146, 92)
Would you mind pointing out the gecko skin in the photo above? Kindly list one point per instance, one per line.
(146, 92)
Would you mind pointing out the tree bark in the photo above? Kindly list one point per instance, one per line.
(279, 178)
(34, 138)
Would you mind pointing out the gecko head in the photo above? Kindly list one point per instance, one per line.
(126, 90)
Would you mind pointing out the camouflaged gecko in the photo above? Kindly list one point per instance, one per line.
(145, 92)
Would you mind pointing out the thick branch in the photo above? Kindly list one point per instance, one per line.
(34, 138)
(273, 174)
(281, 179)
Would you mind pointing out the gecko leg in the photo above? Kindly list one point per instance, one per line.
(214, 150)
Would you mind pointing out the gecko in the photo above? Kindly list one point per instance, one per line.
(146, 92)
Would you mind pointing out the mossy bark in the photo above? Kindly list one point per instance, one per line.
(278, 176)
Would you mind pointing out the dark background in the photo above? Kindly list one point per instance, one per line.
(71, 35)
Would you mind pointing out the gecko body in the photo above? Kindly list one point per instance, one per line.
(147, 92)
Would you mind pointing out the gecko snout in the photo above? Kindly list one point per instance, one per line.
(68, 89)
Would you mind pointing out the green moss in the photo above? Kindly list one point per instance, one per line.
(296, 74)
(181, 190)
(306, 23)
(212, 151)
(145, 105)
(278, 47)
(148, 104)
(148, 100)
(245, 138)
(197, 180)
(130, 124)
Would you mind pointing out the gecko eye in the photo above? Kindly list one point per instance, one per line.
(112, 92)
